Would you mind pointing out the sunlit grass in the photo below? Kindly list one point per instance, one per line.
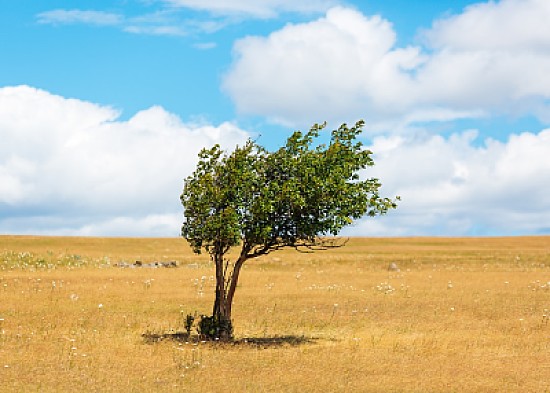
(459, 315)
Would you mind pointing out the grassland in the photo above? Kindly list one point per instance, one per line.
(461, 315)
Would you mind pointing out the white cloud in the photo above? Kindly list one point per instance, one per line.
(73, 164)
(161, 225)
(454, 187)
(318, 70)
(168, 20)
(254, 8)
(161, 23)
(205, 45)
(170, 23)
(519, 25)
(346, 66)
(156, 30)
(70, 167)
(61, 16)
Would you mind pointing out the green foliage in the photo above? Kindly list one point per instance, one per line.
(211, 327)
(188, 323)
(264, 200)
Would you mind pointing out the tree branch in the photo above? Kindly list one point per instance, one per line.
(303, 246)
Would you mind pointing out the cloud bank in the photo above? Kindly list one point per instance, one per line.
(73, 165)
(454, 187)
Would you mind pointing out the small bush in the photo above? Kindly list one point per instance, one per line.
(208, 327)
(188, 323)
(212, 328)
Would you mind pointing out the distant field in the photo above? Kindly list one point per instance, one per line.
(461, 315)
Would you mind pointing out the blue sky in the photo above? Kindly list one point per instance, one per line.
(104, 106)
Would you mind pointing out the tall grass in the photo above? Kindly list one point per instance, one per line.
(459, 315)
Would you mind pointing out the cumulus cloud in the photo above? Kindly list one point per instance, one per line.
(307, 70)
(453, 186)
(520, 25)
(346, 65)
(74, 165)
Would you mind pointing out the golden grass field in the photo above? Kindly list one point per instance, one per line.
(461, 315)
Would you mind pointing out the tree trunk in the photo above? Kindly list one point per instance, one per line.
(225, 292)
(221, 322)
(233, 283)
(222, 318)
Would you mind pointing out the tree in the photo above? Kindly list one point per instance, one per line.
(258, 202)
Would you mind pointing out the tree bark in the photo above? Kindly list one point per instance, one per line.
(225, 292)
(233, 283)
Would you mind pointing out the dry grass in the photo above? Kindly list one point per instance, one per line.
(461, 315)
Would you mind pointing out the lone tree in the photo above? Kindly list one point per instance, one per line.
(299, 196)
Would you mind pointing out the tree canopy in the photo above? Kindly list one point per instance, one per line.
(265, 201)
(261, 201)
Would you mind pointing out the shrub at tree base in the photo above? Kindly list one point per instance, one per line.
(297, 196)
(212, 328)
